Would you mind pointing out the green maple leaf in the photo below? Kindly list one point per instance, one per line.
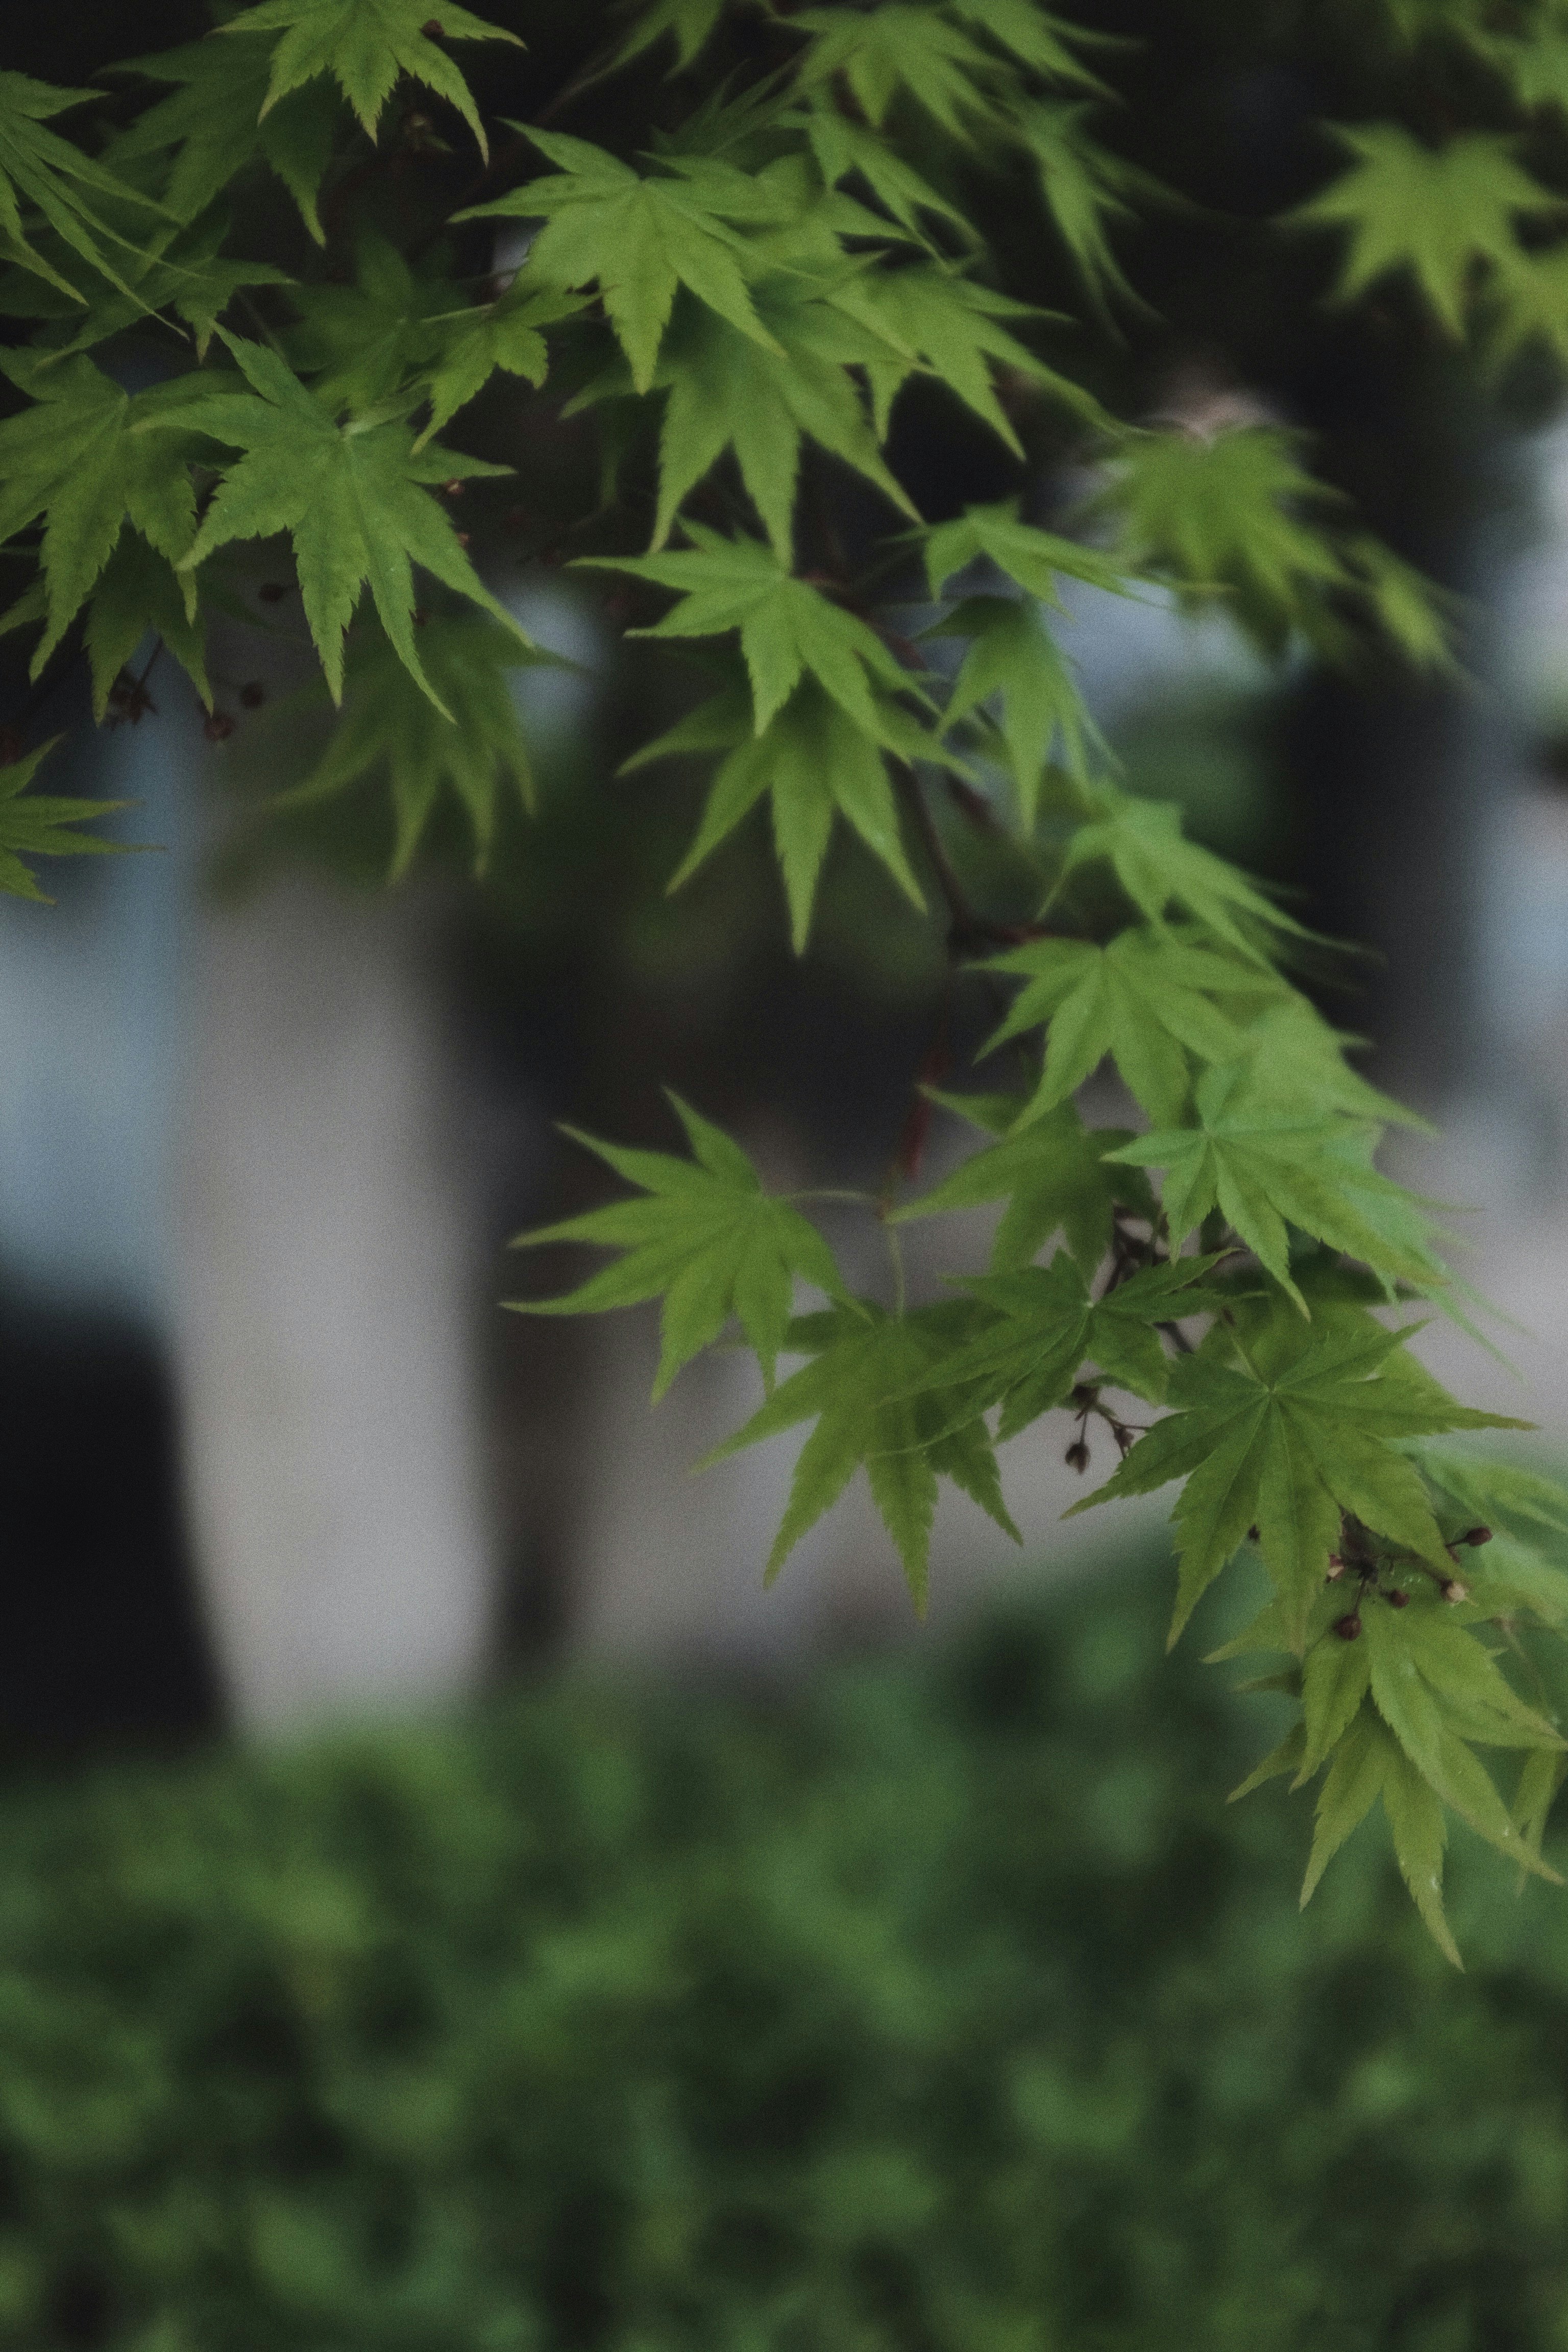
(360, 343)
(40, 170)
(1285, 1441)
(1148, 998)
(691, 23)
(1035, 559)
(817, 764)
(503, 334)
(1266, 1163)
(1298, 1059)
(183, 270)
(39, 824)
(390, 725)
(87, 457)
(788, 629)
(1230, 511)
(844, 149)
(1051, 1171)
(639, 238)
(937, 322)
(1085, 189)
(213, 125)
(1368, 1764)
(707, 1238)
(1143, 842)
(1048, 1326)
(1043, 43)
(139, 593)
(1432, 213)
(726, 392)
(351, 496)
(862, 1388)
(896, 48)
(366, 45)
(1013, 660)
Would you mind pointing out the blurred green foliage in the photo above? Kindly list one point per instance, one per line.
(943, 2007)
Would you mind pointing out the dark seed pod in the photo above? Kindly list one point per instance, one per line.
(1252, 1535)
(217, 726)
(1348, 1628)
(1476, 1536)
(1076, 1456)
(1397, 1600)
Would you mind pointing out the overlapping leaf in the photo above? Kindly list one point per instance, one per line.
(1053, 1175)
(1048, 1326)
(815, 763)
(389, 725)
(1148, 998)
(1285, 1440)
(1014, 664)
(366, 46)
(726, 392)
(85, 457)
(1143, 842)
(939, 322)
(43, 174)
(1266, 1164)
(212, 125)
(864, 1389)
(788, 629)
(638, 237)
(707, 1238)
(352, 497)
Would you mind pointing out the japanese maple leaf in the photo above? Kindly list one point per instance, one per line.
(86, 458)
(1013, 660)
(1048, 1325)
(390, 725)
(861, 1387)
(41, 170)
(1148, 998)
(787, 627)
(366, 45)
(707, 1236)
(212, 122)
(638, 237)
(1143, 844)
(1434, 212)
(38, 824)
(351, 496)
(1052, 1172)
(1285, 1439)
(1265, 1163)
(813, 764)
(725, 390)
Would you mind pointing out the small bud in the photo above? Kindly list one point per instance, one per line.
(1076, 1456)
(272, 592)
(1083, 1394)
(452, 489)
(462, 537)
(1454, 1592)
(1476, 1536)
(1348, 1628)
(1397, 1600)
(434, 29)
(1253, 1536)
(1335, 1569)
(217, 726)
(253, 694)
